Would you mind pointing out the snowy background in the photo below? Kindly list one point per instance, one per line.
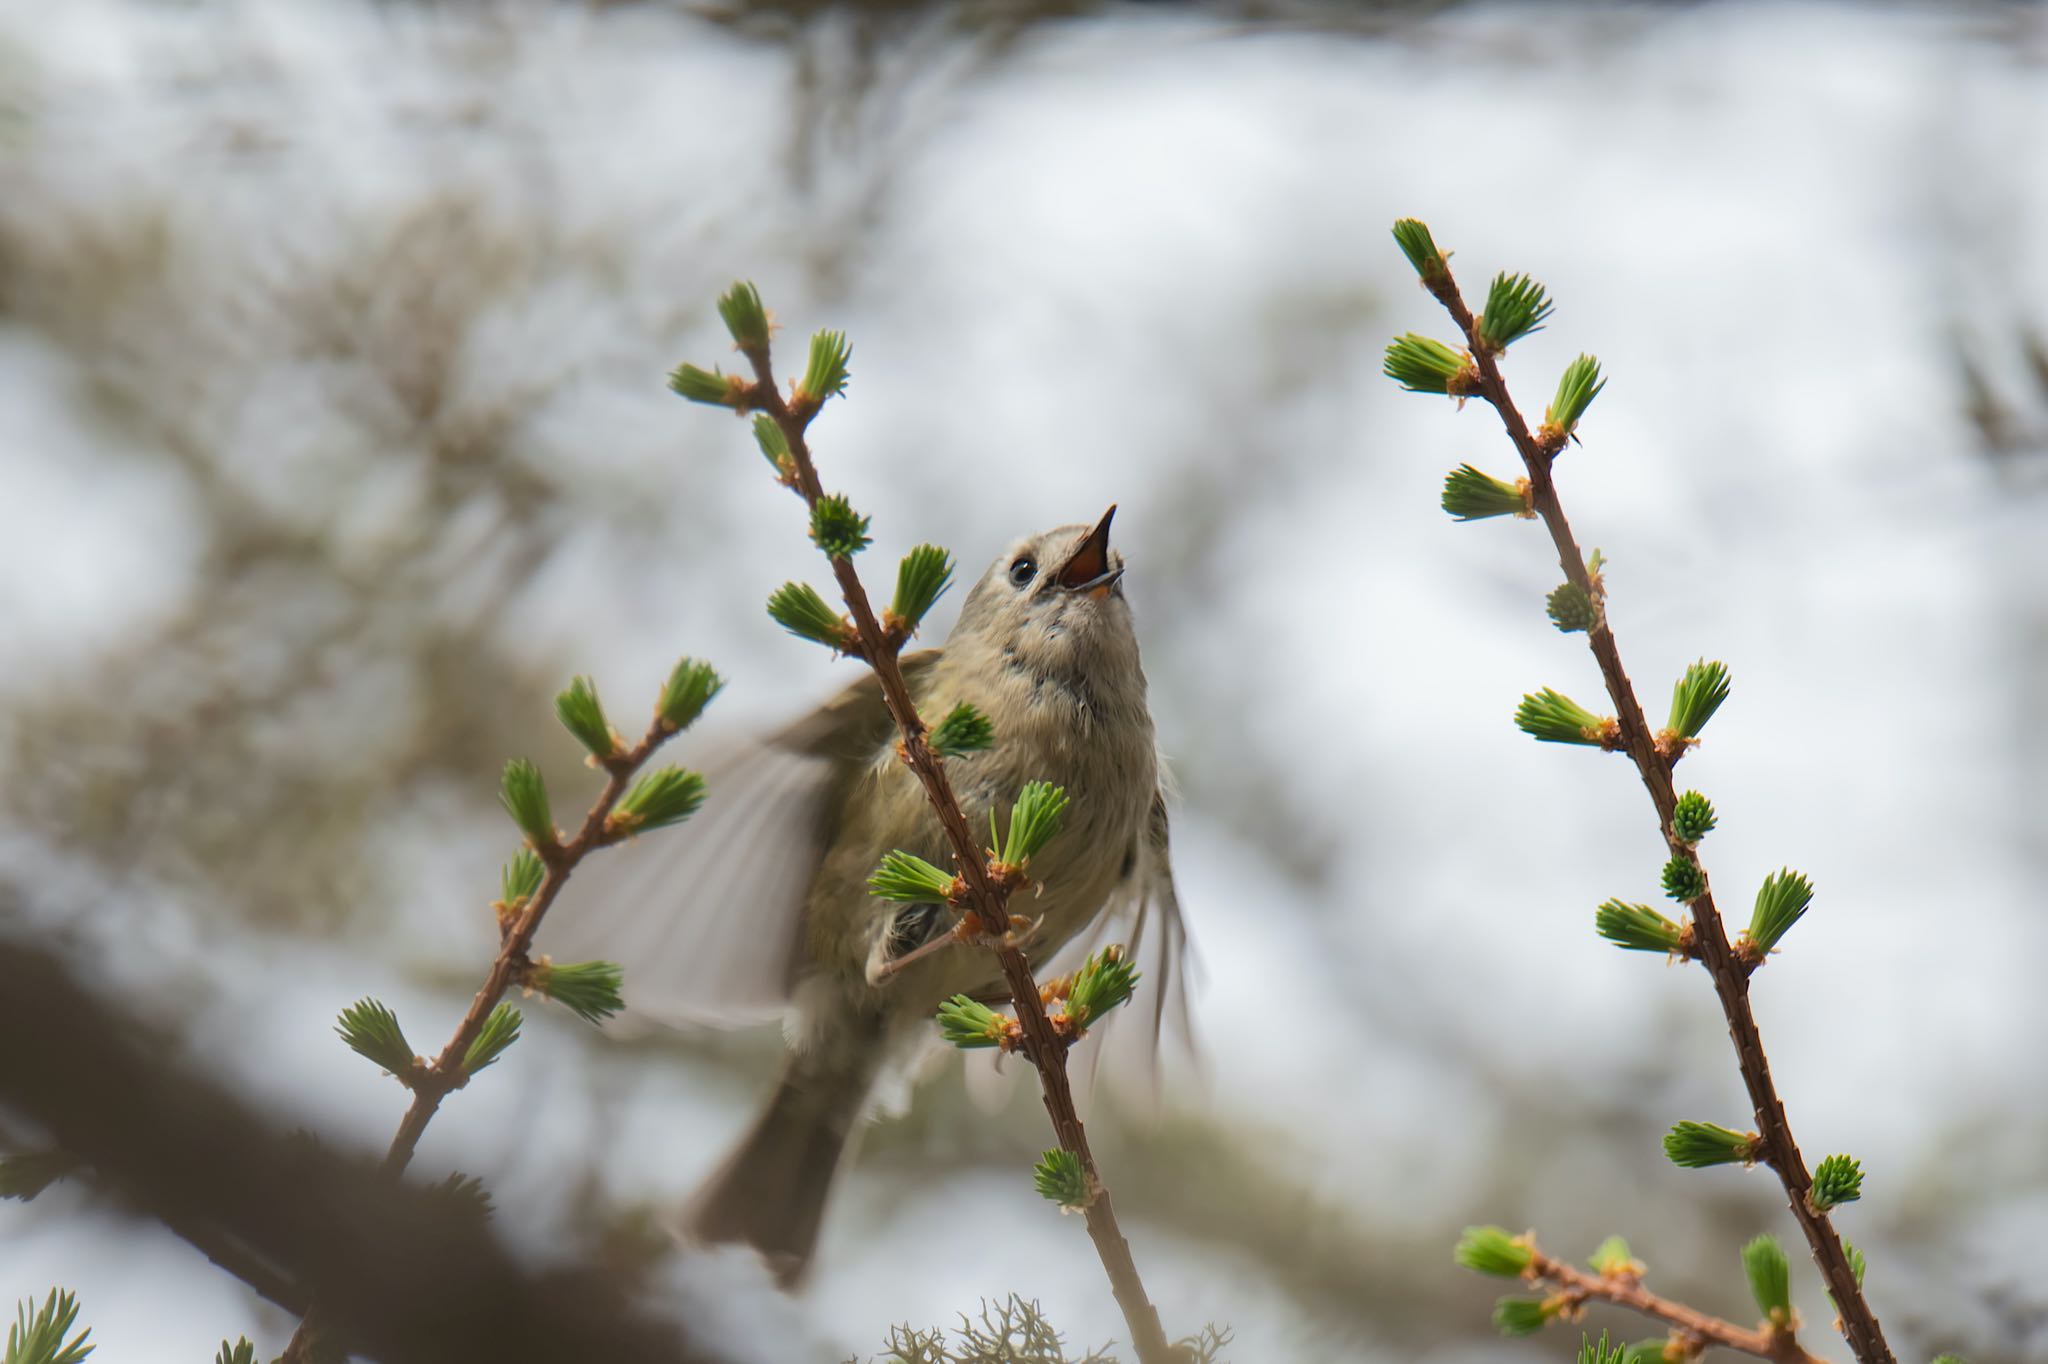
(332, 347)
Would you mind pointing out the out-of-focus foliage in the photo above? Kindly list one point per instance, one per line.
(1015, 1331)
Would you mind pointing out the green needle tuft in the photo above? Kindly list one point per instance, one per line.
(1696, 1145)
(774, 446)
(1521, 1316)
(1636, 927)
(968, 1023)
(1836, 1180)
(1059, 1177)
(1554, 718)
(38, 1334)
(910, 880)
(712, 386)
(1696, 696)
(589, 989)
(1473, 495)
(500, 1031)
(1034, 820)
(1575, 393)
(521, 877)
(826, 375)
(688, 690)
(921, 578)
(1683, 880)
(1780, 903)
(1491, 1250)
(371, 1031)
(525, 797)
(1420, 249)
(1693, 818)
(837, 528)
(744, 316)
(1613, 1257)
(583, 716)
(1770, 1278)
(1105, 981)
(1422, 364)
(1570, 608)
(659, 799)
(1515, 307)
(964, 730)
(798, 608)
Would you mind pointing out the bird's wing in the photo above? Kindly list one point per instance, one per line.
(1133, 1044)
(707, 920)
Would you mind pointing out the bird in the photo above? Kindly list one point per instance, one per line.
(760, 908)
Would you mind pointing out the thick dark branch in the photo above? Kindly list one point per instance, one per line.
(403, 1273)
(1730, 974)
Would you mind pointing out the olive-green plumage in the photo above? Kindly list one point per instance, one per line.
(1044, 647)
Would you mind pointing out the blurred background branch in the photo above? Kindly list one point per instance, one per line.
(411, 1273)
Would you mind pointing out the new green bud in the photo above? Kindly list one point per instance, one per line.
(589, 989)
(964, 730)
(1422, 364)
(710, 386)
(911, 880)
(921, 578)
(1637, 928)
(1491, 1250)
(774, 446)
(1034, 820)
(968, 1023)
(1515, 307)
(837, 528)
(1570, 608)
(1473, 495)
(583, 716)
(521, 877)
(1613, 1258)
(1683, 880)
(525, 797)
(1770, 1279)
(371, 1031)
(1522, 1316)
(1693, 818)
(826, 374)
(1836, 1180)
(798, 608)
(500, 1030)
(1780, 903)
(688, 690)
(1555, 718)
(1420, 249)
(1059, 1177)
(659, 799)
(1575, 393)
(1103, 982)
(1696, 696)
(1696, 1145)
(744, 316)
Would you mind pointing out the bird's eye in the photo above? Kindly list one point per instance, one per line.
(1022, 569)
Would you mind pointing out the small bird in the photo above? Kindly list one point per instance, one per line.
(761, 906)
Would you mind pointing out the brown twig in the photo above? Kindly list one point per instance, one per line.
(1653, 764)
(987, 898)
(433, 1081)
(1696, 1329)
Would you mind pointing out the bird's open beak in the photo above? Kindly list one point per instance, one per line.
(1087, 568)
